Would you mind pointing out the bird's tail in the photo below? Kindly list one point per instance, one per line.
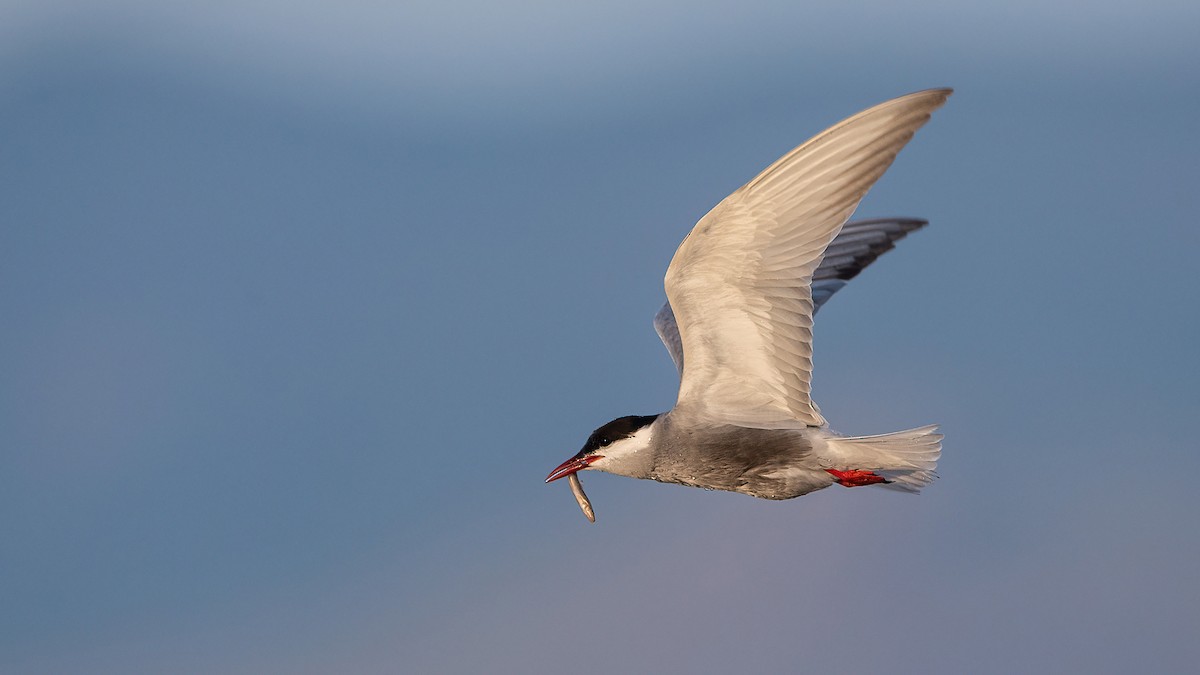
(904, 460)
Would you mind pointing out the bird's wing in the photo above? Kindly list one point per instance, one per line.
(857, 245)
(740, 283)
(668, 332)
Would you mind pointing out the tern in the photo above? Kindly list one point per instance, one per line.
(742, 290)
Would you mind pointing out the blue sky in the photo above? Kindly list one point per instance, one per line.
(302, 303)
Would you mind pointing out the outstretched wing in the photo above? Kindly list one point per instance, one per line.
(740, 283)
(859, 244)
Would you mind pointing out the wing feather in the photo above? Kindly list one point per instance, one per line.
(859, 244)
(740, 284)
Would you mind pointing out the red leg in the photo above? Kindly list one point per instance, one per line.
(856, 478)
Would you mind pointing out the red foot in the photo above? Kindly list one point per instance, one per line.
(856, 478)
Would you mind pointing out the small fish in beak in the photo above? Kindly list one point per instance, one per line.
(581, 497)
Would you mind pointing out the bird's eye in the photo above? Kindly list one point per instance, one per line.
(604, 440)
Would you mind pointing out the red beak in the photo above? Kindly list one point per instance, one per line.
(571, 466)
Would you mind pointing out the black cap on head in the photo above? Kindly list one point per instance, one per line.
(622, 427)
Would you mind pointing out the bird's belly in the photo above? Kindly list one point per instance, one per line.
(770, 464)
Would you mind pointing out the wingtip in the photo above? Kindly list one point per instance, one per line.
(940, 94)
(944, 91)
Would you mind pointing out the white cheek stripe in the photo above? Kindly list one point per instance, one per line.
(625, 455)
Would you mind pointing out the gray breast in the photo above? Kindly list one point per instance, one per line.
(772, 464)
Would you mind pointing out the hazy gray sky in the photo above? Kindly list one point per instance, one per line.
(302, 303)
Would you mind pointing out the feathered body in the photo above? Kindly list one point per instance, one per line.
(677, 447)
(742, 290)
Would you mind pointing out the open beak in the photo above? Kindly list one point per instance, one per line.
(571, 466)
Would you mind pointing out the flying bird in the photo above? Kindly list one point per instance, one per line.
(742, 290)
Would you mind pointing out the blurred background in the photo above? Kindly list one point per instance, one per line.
(302, 301)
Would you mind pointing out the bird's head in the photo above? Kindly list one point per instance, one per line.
(617, 447)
